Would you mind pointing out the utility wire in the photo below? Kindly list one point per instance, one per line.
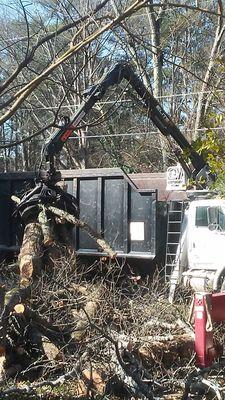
(169, 96)
(77, 137)
(140, 133)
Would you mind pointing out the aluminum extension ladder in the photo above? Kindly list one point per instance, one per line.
(174, 222)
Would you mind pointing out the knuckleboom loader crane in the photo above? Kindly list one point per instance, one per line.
(155, 111)
(200, 254)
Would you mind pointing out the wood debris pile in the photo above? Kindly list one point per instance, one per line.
(93, 325)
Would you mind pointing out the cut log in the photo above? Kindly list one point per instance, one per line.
(168, 351)
(31, 251)
(11, 299)
(46, 226)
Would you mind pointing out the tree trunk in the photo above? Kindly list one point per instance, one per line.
(155, 25)
(202, 98)
(167, 351)
(31, 251)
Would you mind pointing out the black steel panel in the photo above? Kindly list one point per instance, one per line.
(5, 213)
(142, 222)
(18, 188)
(69, 186)
(114, 229)
(10, 229)
(87, 197)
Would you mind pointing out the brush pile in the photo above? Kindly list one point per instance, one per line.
(75, 329)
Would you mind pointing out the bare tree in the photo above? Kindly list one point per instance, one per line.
(204, 97)
(47, 65)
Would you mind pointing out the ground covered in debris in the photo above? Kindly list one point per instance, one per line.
(96, 330)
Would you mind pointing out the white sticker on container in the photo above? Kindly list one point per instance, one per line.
(199, 315)
(137, 231)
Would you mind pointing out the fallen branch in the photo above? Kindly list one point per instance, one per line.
(11, 299)
(46, 226)
(81, 224)
(29, 389)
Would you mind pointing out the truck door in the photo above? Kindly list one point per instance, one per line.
(206, 249)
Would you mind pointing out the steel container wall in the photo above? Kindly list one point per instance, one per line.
(109, 202)
(10, 230)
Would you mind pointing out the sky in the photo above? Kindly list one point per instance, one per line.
(11, 8)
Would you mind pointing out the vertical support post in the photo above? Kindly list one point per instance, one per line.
(126, 217)
(99, 221)
(204, 347)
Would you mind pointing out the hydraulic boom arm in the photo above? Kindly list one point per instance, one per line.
(95, 93)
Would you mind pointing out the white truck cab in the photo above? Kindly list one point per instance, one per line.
(200, 256)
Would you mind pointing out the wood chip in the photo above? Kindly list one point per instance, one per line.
(19, 308)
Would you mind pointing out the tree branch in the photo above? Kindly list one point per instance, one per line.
(64, 28)
(28, 89)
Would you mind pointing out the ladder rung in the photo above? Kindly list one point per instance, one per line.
(173, 233)
(174, 222)
(173, 243)
(169, 265)
(171, 254)
(175, 211)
